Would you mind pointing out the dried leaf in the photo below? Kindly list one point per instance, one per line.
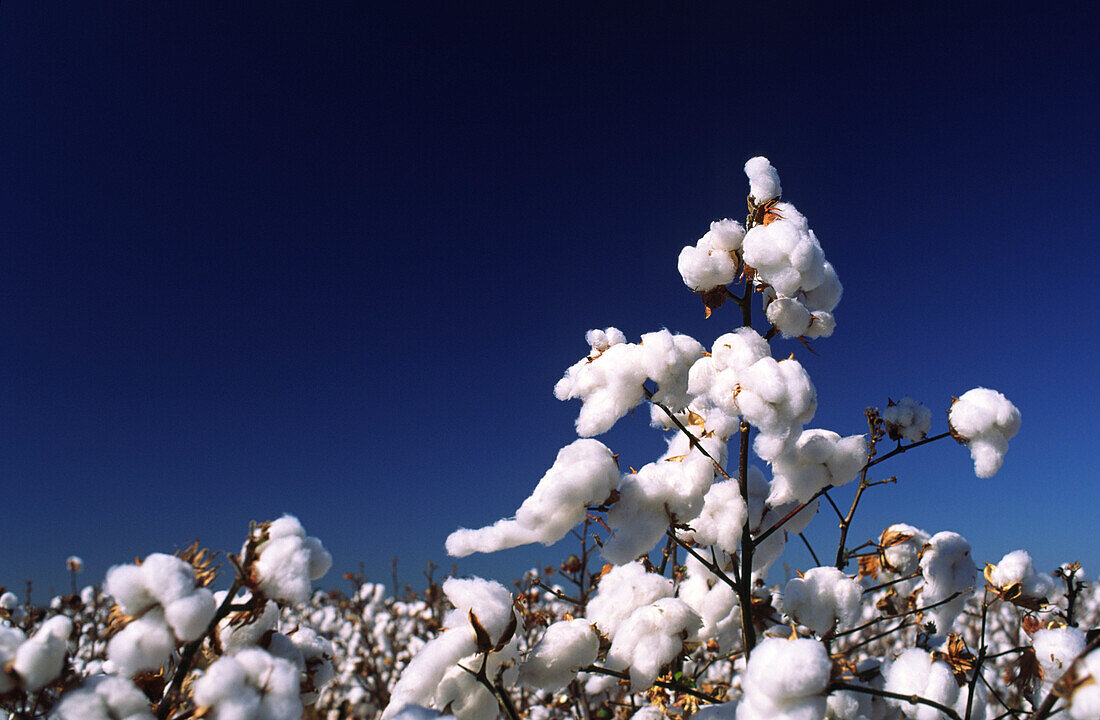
(481, 635)
(869, 566)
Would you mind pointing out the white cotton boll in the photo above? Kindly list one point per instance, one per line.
(821, 598)
(40, 659)
(915, 673)
(849, 705)
(1086, 702)
(167, 577)
(763, 179)
(320, 560)
(422, 676)
(822, 324)
(726, 234)
(714, 601)
(189, 616)
(739, 349)
(650, 638)
(418, 712)
(236, 637)
(225, 678)
(722, 518)
(10, 641)
(143, 645)
(988, 420)
(826, 295)
(621, 591)
(565, 648)
(704, 267)
(1017, 567)
(8, 601)
(608, 385)
(902, 548)
(600, 340)
(1056, 648)
(789, 316)
(488, 599)
(947, 568)
(283, 569)
(907, 419)
(104, 697)
(636, 521)
(667, 358)
(818, 459)
(584, 473)
(126, 584)
(785, 679)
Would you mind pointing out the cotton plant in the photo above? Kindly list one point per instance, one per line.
(684, 544)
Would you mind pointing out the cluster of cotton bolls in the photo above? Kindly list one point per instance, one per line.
(30, 664)
(800, 286)
(986, 420)
(610, 379)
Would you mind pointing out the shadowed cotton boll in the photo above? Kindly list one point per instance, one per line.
(650, 638)
(251, 685)
(947, 568)
(1017, 567)
(621, 591)
(916, 673)
(1085, 703)
(584, 473)
(565, 647)
(711, 263)
(907, 419)
(818, 459)
(39, 660)
(988, 420)
(723, 516)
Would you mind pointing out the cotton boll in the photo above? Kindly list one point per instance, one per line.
(1017, 567)
(826, 295)
(1055, 649)
(789, 316)
(739, 349)
(916, 673)
(947, 568)
(424, 673)
(726, 235)
(584, 473)
(167, 577)
(714, 601)
(621, 591)
(704, 267)
(565, 648)
(1085, 702)
(488, 599)
(126, 584)
(10, 641)
(818, 459)
(785, 679)
(418, 712)
(722, 517)
(763, 180)
(143, 645)
(637, 522)
(190, 615)
(39, 660)
(849, 705)
(600, 340)
(907, 419)
(650, 638)
(235, 637)
(822, 324)
(821, 598)
(608, 385)
(987, 420)
(103, 698)
(320, 560)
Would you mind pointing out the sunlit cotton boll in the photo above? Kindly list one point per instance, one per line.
(1017, 567)
(650, 638)
(907, 419)
(710, 263)
(289, 560)
(584, 473)
(988, 420)
(763, 179)
(723, 516)
(821, 598)
(565, 647)
(143, 645)
(10, 641)
(785, 680)
(1085, 703)
(818, 459)
(621, 591)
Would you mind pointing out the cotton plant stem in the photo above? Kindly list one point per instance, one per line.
(906, 448)
(677, 687)
(885, 618)
(981, 654)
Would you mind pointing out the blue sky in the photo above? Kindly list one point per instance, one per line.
(330, 259)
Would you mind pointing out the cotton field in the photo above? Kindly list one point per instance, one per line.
(667, 606)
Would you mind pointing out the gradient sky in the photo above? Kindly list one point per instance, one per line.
(330, 258)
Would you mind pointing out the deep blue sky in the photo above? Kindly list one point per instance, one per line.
(330, 258)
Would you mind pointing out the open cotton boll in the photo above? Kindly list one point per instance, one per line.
(584, 473)
(621, 591)
(126, 584)
(1017, 567)
(650, 638)
(167, 577)
(419, 712)
(789, 316)
(143, 645)
(466, 697)
(10, 641)
(39, 660)
(103, 697)
(947, 568)
(907, 419)
(916, 673)
(421, 678)
(289, 561)
(251, 685)
(1085, 702)
(987, 420)
(821, 598)
(1055, 649)
(236, 637)
(818, 459)
(190, 615)
(610, 381)
(849, 705)
(714, 601)
(565, 647)
(785, 679)
(488, 599)
(722, 518)
(704, 267)
(763, 179)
